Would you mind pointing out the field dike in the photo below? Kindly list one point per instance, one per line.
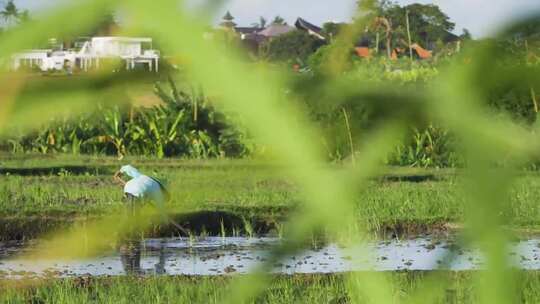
(209, 223)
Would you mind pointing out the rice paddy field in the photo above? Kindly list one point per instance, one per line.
(235, 197)
(43, 194)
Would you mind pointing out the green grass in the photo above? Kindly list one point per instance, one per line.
(453, 287)
(61, 189)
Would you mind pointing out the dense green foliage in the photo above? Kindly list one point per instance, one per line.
(295, 46)
(428, 24)
(427, 144)
(183, 125)
(187, 124)
(429, 147)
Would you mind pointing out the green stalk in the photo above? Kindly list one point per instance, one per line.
(350, 135)
(409, 35)
(534, 100)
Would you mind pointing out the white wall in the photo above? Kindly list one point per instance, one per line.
(103, 47)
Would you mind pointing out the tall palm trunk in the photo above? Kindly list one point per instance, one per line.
(385, 23)
(389, 44)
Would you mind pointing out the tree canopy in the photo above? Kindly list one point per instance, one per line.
(428, 23)
(105, 26)
(261, 24)
(12, 15)
(332, 29)
(296, 45)
(279, 20)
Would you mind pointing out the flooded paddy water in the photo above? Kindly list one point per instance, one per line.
(218, 256)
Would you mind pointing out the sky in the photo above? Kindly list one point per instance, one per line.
(481, 17)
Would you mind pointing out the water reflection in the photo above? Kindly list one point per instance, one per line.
(220, 256)
(131, 255)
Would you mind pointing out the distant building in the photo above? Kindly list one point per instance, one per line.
(275, 30)
(228, 21)
(253, 37)
(89, 54)
(311, 29)
(271, 31)
(246, 32)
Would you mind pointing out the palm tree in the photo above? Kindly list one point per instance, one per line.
(106, 25)
(261, 24)
(24, 16)
(10, 12)
(279, 20)
(386, 25)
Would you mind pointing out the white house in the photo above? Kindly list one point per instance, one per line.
(134, 51)
(29, 59)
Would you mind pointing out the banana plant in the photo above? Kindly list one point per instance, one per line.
(183, 124)
(111, 130)
(162, 125)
